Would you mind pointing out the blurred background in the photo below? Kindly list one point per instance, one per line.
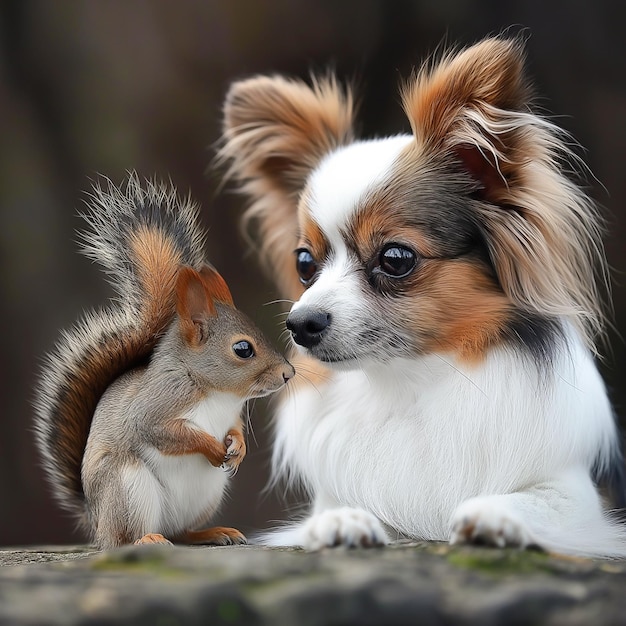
(104, 87)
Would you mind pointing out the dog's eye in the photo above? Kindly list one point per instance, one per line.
(243, 349)
(397, 261)
(306, 266)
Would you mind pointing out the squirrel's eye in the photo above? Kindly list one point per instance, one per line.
(397, 261)
(306, 266)
(243, 349)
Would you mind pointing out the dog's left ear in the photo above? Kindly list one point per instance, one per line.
(456, 107)
(471, 111)
(275, 133)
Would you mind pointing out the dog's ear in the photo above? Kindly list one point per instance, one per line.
(471, 111)
(275, 133)
(279, 129)
(456, 106)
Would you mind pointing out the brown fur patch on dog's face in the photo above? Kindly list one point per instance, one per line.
(455, 307)
(451, 301)
(312, 238)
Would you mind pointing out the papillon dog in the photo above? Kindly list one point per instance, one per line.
(448, 289)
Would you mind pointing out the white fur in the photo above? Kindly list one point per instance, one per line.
(337, 283)
(334, 196)
(337, 290)
(145, 498)
(216, 414)
(430, 446)
(188, 488)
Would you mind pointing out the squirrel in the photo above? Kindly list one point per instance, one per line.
(138, 407)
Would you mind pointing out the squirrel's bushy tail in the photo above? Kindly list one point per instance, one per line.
(141, 236)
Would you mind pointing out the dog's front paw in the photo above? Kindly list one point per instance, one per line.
(343, 527)
(486, 522)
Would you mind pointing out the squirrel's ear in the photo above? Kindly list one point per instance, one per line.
(194, 306)
(216, 285)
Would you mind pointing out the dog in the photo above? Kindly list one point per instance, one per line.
(448, 288)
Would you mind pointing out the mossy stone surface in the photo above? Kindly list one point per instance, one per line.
(408, 583)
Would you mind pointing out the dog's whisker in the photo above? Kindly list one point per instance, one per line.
(279, 301)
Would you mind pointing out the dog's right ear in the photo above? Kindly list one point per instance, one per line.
(276, 131)
(279, 129)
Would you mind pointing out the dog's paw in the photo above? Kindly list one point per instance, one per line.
(486, 522)
(343, 527)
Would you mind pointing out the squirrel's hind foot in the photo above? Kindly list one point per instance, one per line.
(216, 536)
(152, 538)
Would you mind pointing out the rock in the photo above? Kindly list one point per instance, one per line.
(423, 583)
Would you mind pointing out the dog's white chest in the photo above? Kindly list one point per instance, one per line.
(409, 448)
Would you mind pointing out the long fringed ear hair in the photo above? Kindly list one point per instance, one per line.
(275, 133)
(542, 231)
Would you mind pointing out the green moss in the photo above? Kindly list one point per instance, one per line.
(498, 562)
(135, 561)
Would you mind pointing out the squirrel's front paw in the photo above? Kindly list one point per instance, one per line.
(235, 452)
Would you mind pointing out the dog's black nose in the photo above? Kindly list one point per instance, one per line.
(307, 326)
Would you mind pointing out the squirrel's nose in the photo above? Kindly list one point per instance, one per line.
(288, 372)
(307, 326)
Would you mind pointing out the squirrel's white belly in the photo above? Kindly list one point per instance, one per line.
(191, 489)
